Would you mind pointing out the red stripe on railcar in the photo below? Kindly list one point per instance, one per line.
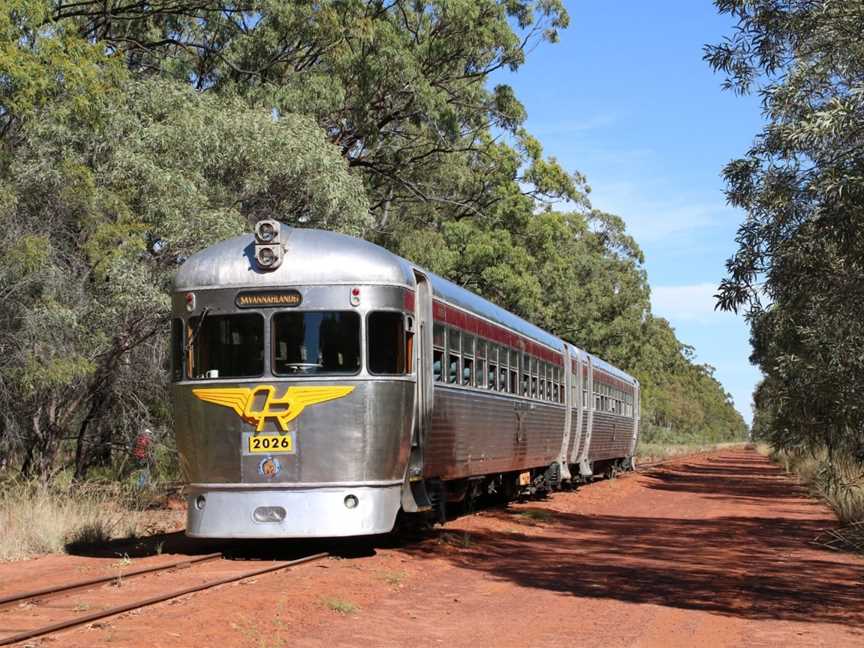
(447, 314)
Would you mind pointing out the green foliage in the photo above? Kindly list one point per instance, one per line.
(102, 211)
(799, 266)
(132, 135)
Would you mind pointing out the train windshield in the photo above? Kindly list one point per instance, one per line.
(226, 346)
(316, 342)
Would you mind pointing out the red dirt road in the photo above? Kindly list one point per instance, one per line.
(709, 551)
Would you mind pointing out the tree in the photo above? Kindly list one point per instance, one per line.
(399, 86)
(799, 268)
(100, 211)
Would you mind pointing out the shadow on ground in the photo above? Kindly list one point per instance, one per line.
(761, 567)
(179, 544)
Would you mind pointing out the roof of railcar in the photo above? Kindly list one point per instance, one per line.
(320, 257)
(311, 257)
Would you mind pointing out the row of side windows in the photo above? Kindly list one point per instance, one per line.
(460, 358)
(613, 400)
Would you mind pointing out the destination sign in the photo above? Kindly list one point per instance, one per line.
(268, 298)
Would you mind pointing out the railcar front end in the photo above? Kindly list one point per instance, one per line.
(292, 390)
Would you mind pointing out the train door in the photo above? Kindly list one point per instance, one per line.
(563, 459)
(584, 463)
(579, 407)
(414, 497)
(635, 412)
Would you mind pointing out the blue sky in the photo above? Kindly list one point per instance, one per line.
(626, 99)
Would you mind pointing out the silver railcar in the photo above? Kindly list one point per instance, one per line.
(322, 383)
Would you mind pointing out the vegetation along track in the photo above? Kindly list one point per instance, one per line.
(109, 594)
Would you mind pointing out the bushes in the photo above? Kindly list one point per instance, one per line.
(838, 481)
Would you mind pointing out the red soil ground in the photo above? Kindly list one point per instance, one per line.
(710, 551)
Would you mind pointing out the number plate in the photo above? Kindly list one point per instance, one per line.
(271, 443)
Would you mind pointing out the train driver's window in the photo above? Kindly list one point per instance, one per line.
(385, 337)
(453, 359)
(480, 372)
(226, 346)
(437, 352)
(468, 360)
(317, 342)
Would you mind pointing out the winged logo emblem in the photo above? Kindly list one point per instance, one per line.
(282, 409)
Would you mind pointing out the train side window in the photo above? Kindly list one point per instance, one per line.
(468, 360)
(526, 375)
(541, 375)
(502, 379)
(480, 372)
(226, 346)
(514, 372)
(453, 369)
(176, 349)
(437, 352)
(385, 337)
(454, 347)
(492, 373)
(438, 336)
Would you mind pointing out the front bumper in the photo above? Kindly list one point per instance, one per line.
(320, 512)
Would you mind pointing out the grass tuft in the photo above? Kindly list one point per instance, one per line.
(339, 605)
(461, 540)
(393, 577)
(537, 515)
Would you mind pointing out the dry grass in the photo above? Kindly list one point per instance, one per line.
(840, 482)
(536, 515)
(339, 605)
(648, 452)
(37, 519)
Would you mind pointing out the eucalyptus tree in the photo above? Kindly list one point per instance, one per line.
(98, 212)
(399, 86)
(799, 268)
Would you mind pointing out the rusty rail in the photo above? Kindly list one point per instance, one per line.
(88, 618)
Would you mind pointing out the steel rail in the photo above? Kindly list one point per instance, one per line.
(87, 618)
(82, 584)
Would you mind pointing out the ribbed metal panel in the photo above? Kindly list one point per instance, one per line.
(477, 433)
(611, 436)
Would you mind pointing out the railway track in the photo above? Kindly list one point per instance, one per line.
(32, 600)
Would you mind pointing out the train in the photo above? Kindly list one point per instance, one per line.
(323, 386)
